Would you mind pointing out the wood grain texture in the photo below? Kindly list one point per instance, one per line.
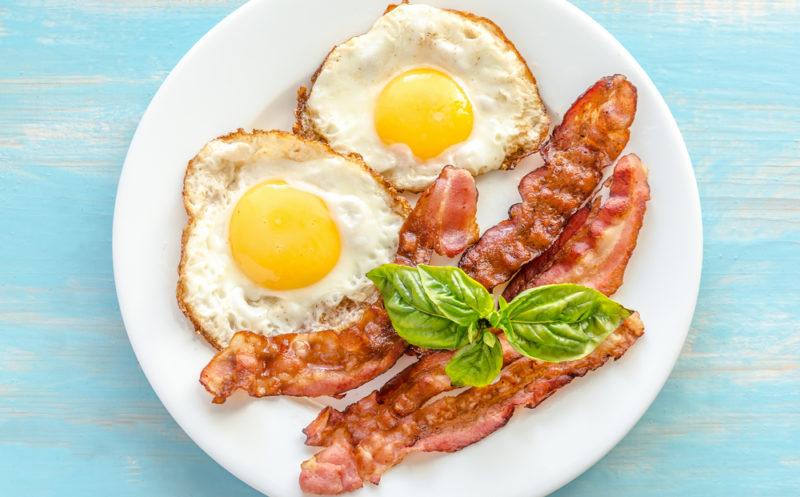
(77, 416)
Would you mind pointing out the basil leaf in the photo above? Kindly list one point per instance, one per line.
(456, 293)
(476, 364)
(560, 322)
(414, 316)
(432, 307)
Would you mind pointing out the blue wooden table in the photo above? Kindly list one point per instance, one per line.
(76, 414)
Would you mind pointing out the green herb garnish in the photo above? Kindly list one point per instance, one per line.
(440, 307)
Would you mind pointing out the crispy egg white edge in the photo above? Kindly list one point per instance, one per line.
(222, 299)
(505, 101)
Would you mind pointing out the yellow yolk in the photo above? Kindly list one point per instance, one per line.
(283, 238)
(426, 110)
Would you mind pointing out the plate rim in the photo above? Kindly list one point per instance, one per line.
(643, 78)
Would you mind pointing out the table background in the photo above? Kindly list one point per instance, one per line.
(77, 416)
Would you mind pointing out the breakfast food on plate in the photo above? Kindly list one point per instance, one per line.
(375, 433)
(423, 88)
(591, 136)
(602, 236)
(331, 362)
(304, 266)
(281, 232)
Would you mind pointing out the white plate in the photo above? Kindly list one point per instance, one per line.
(244, 73)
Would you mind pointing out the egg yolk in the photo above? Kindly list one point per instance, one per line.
(283, 238)
(425, 109)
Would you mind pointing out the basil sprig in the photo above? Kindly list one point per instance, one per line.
(440, 307)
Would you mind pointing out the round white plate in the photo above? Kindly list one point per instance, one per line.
(244, 73)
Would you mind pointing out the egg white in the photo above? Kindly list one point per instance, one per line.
(509, 118)
(224, 300)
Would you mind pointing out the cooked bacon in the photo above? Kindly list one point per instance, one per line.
(593, 133)
(305, 364)
(333, 362)
(452, 423)
(593, 251)
(383, 409)
(378, 426)
(443, 220)
(595, 248)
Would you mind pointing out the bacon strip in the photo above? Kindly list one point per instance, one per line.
(332, 362)
(593, 133)
(443, 220)
(452, 423)
(599, 241)
(305, 364)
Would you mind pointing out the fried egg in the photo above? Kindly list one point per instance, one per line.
(281, 234)
(424, 88)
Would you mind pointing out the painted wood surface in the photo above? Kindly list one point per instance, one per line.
(77, 416)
